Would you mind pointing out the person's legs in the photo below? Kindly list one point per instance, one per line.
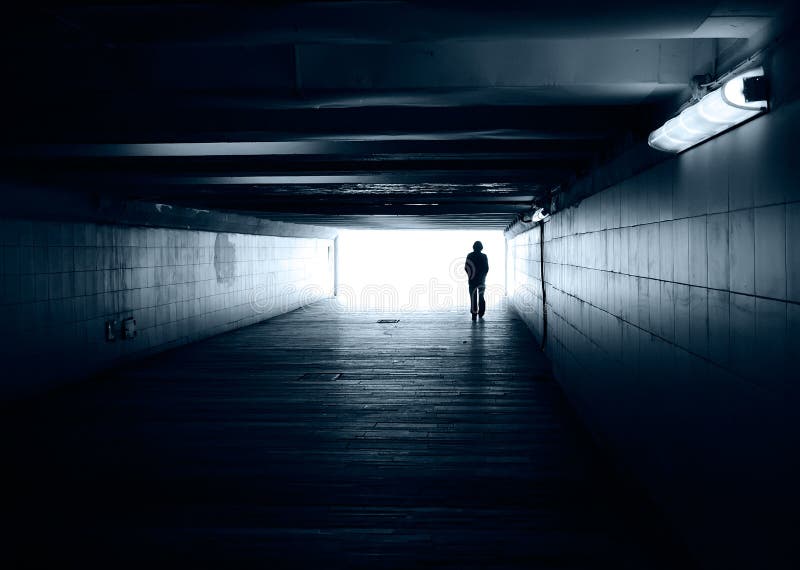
(481, 301)
(473, 300)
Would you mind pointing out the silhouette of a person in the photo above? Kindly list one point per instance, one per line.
(477, 266)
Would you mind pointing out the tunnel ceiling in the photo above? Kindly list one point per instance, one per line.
(378, 114)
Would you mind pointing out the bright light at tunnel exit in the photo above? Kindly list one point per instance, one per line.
(407, 270)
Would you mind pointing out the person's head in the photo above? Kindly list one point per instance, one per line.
(477, 246)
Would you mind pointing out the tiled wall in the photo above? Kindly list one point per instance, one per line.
(61, 282)
(674, 326)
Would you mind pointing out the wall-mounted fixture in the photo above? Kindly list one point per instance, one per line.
(541, 214)
(534, 215)
(737, 100)
(129, 328)
(111, 327)
(125, 330)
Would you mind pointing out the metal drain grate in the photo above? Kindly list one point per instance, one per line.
(321, 376)
(385, 321)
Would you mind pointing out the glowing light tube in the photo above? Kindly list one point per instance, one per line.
(718, 111)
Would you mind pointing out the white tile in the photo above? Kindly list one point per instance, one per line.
(682, 316)
(793, 252)
(770, 343)
(718, 248)
(770, 251)
(681, 250)
(744, 359)
(742, 251)
(698, 255)
(698, 316)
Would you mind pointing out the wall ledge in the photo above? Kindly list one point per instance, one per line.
(54, 204)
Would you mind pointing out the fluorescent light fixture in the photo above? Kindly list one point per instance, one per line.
(738, 100)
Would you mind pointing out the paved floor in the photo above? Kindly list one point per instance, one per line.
(443, 443)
